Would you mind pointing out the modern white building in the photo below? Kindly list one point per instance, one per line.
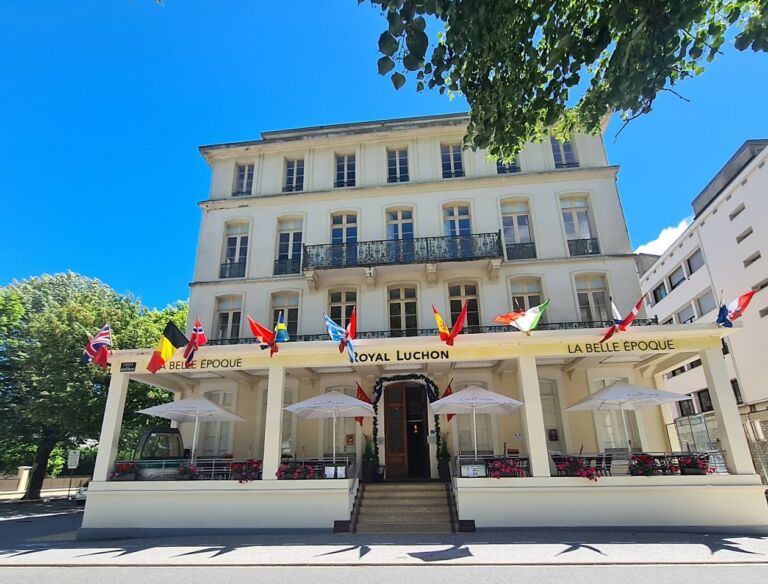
(393, 217)
(719, 257)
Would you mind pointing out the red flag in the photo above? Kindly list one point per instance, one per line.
(449, 391)
(630, 318)
(265, 336)
(196, 340)
(458, 326)
(362, 396)
(350, 331)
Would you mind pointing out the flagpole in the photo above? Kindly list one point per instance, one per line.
(626, 434)
(474, 431)
(194, 440)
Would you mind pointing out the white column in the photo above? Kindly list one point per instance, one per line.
(732, 435)
(533, 416)
(273, 426)
(110, 426)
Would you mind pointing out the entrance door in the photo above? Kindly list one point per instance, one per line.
(406, 429)
(395, 440)
(418, 428)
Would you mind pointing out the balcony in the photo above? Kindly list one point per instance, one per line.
(285, 266)
(583, 247)
(422, 250)
(232, 270)
(521, 251)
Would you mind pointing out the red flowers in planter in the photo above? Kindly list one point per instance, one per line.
(296, 471)
(574, 466)
(505, 468)
(250, 470)
(122, 468)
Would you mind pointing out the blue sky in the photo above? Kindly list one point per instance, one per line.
(105, 103)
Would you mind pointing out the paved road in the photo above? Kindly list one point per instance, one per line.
(392, 575)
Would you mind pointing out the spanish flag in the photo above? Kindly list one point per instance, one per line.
(441, 327)
(171, 340)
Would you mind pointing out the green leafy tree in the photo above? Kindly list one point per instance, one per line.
(48, 399)
(528, 67)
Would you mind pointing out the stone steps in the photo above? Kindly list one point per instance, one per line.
(404, 508)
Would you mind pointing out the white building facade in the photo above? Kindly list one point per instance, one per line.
(719, 256)
(393, 217)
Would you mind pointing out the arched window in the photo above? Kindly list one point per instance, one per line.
(402, 308)
(235, 250)
(518, 238)
(289, 245)
(457, 219)
(579, 229)
(341, 302)
(399, 224)
(288, 304)
(592, 294)
(344, 239)
(217, 436)
(563, 153)
(526, 293)
(460, 293)
(228, 317)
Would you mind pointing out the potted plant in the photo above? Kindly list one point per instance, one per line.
(643, 465)
(247, 471)
(125, 471)
(506, 467)
(695, 464)
(369, 461)
(187, 471)
(574, 466)
(444, 459)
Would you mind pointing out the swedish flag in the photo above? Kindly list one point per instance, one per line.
(281, 331)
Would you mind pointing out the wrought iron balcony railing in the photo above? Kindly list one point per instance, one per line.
(521, 251)
(582, 247)
(430, 332)
(287, 266)
(232, 270)
(421, 250)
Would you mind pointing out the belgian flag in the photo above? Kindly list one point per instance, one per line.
(171, 340)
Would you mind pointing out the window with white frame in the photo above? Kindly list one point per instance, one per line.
(464, 428)
(592, 294)
(345, 427)
(526, 293)
(695, 261)
(235, 250)
(676, 278)
(289, 246)
(288, 304)
(345, 170)
(460, 293)
(343, 228)
(457, 219)
(659, 293)
(507, 168)
(294, 175)
(706, 303)
(341, 303)
(397, 165)
(399, 224)
(217, 436)
(243, 180)
(516, 223)
(686, 314)
(576, 218)
(451, 160)
(228, 317)
(402, 309)
(564, 154)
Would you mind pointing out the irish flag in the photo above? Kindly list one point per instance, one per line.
(524, 320)
(730, 312)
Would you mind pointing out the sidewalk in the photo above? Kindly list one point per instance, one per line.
(32, 540)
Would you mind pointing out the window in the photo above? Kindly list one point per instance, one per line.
(526, 293)
(760, 285)
(452, 162)
(763, 313)
(235, 251)
(217, 436)
(593, 298)
(288, 304)
(695, 261)
(742, 236)
(736, 212)
(518, 240)
(289, 244)
(659, 293)
(344, 427)
(457, 220)
(228, 316)
(578, 226)
(686, 315)
(705, 402)
(402, 311)
(457, 295)
(752, 259)
(676, 278)
(345, 170)
(613, 427)
(341, 302)
(294, 175)
(736, 391)
(670, 320)
(483, 426)
(706, 303)
(687, 407)
(502, 168)
(344, 239)
(243, 180)
(397, 165)
(724, 346)
(399, 224)
(563, 152)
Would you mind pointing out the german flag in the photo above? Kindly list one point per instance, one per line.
(171, 340)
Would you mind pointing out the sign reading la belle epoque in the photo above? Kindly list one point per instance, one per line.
(621, 347)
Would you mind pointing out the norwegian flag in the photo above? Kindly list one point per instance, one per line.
(97, 349)
(196, 340)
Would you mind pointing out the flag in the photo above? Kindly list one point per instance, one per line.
(197, 340)
(449, 391)
(265, 336)
(730, 312)
(96, 351)
(442, 329)
(362, 396)
(341, 335)
(621, 325)
(281, 331)
(171, 340)
(524, 320)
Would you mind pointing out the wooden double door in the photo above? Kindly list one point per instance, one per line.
(406, 429)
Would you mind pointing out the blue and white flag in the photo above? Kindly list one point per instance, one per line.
(340, 335)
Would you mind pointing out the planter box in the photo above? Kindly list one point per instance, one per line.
(693, 471)
(129, 476)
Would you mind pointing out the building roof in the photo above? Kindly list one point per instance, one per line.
(727, 174)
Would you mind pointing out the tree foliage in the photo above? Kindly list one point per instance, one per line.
(48, 399)
(528, 67)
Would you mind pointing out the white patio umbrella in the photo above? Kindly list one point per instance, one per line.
(470, 400)
(192, 410)
(620, 396)
(334, 405)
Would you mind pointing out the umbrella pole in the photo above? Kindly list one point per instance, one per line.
(334, 444)
(474, 432)
(626, 433)
(194, 439)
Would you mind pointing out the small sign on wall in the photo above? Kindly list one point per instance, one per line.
(73, 459)
(349, 439)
